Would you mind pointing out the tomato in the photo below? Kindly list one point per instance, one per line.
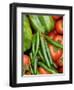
(55, 52)
(59, 26)
(59, 62)
(60, 69)
(58, 38)
(52, 34)
(42, 71)
(56, 17)
(26, 60)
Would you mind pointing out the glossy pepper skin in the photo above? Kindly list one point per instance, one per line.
(47, 22)
(41, 23)
(27, 34)
(36, 24)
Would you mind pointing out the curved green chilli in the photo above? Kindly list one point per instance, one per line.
(35, 65)
(41, 56)
(37, 43)
(44, 51)
(48, 53)
(50, 70)
(33, 44)
(31, 69)
(53, 42)
(37, 47)
(31, 58)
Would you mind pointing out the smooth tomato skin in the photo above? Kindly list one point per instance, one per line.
(52, 34)
(59, 63)
(60, 70)
(42, 71)
(58, 38)
(59, 26)
(56, 17)
(55, 54)
(26, 60)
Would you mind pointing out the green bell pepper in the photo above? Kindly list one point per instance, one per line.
(36, 24)
(27, 34)
(47, 22)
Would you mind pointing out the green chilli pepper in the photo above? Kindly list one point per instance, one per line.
(53, 42)
(44, 51)
(50, 70)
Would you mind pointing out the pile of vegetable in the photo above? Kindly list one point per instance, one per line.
(42, 44)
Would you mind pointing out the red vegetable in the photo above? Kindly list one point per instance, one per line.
(58, 38)
(42, 71)
(56, 17)
(55, 52)
(59, 62)
(52, 34)
(26, 60)
(59, 26)
(60, 69)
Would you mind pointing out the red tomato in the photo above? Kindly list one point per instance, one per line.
(58, 38)
(55, 53)
(26, 59)
(59, 26)
(59, 62)
(52, 34)
(42, 71)
(56, 17)
(60, 69)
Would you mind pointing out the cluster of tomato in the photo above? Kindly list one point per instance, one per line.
(57, 35)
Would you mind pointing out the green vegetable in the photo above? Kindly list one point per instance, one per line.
(31, 69)
(44, 51)
(37, 42)
(38, 72)
(27, 34)
(50, 70)
(41, 56)
(53, 42)
(33, 44)
(47, 22)
(35, 47)
(36, 24)
(48, 53)
(35, 65)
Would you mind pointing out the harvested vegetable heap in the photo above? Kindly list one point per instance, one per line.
(42, 44)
